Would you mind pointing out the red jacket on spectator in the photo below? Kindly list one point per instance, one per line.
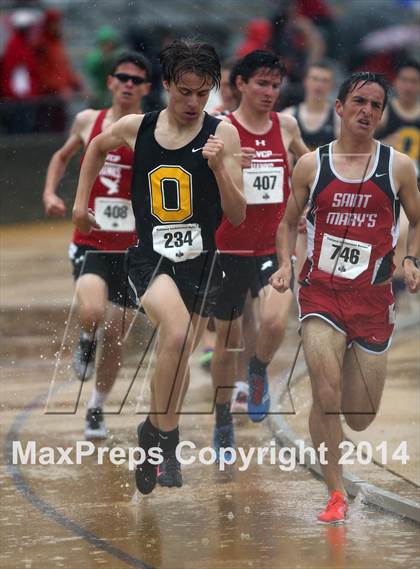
(19, 77)
(55, 71)
(258, 36)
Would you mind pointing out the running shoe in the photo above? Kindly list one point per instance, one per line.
(95, 424)
(169, 471)
(223, 437)
(146, 473)
(239, 401)
(84, 358)
(259, 396)
(336, 509)
(205, 358)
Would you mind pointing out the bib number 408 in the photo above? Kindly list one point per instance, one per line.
(116, 211)
(178, 239)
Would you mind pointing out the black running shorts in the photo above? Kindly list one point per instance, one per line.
(198, 280)
(111, 267)
(240, 275)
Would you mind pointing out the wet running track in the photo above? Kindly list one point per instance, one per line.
(90, 515)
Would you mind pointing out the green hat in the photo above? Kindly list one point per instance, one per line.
(105, 34)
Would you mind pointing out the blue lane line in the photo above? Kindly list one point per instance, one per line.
(46, 508)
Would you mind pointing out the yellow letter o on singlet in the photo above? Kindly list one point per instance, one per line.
(182, 179)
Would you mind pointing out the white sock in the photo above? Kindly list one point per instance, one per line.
(97, 399)
(242, 386)
(87, 335)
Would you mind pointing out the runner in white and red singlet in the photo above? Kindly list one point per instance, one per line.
(354, 186)
(98, 257)
(248, 251)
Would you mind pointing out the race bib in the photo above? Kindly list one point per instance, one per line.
(178, 242)
(263, 185)
(344, 257)
(114, 214)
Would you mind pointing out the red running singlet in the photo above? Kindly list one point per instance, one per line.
(266, 186)
(110, 199)
(353, 225)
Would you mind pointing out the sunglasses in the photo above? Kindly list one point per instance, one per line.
(125, 77)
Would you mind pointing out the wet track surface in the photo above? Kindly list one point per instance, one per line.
(90, 515)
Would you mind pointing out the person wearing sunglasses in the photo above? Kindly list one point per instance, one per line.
(186, 173)
(98, 258)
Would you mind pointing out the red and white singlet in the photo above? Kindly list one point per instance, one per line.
(110, 199)
(266, 186)
(353, 225)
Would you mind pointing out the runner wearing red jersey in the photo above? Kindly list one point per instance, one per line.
(354, 186)
(248, 251)
(98, 257)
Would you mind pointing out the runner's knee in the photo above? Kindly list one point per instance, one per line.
(176, 338)
(91, 315)
(328, 398)
(273, 325)
(359, 422)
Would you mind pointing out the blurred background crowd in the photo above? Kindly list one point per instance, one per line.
(55, 55)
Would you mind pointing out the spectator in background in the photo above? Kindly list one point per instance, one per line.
(20, 83)
(316, 116)
(293, 36)
(321, 15)
(150, 45)
(98, 65)
(229, 95)
(400, 124)
(58, 80)
(299, 42)
(258, 35)
(400, 128)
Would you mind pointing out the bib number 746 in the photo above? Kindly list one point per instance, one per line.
(348, 254)
(344, 258)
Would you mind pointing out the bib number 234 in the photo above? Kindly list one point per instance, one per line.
(178, 242)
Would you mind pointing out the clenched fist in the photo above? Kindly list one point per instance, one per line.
(213, 152)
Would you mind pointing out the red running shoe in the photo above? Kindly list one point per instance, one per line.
(336, 509)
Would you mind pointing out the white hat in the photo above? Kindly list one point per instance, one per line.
(25, 18)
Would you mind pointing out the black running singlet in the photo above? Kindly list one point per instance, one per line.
(406, 132)
(176, 201)
(315, 138)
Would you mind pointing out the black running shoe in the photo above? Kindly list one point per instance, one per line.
(146, 473)
(95, 425)
(169, 471)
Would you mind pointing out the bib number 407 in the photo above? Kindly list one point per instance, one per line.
(264, 183)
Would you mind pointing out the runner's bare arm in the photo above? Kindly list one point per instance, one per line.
(296, 145)
(405, 179)
(247, 152)
(57, 166)
(121, 133)
(303, 176)
(223, 152)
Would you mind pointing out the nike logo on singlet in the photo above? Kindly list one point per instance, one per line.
(380, 175)
(197, 149)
